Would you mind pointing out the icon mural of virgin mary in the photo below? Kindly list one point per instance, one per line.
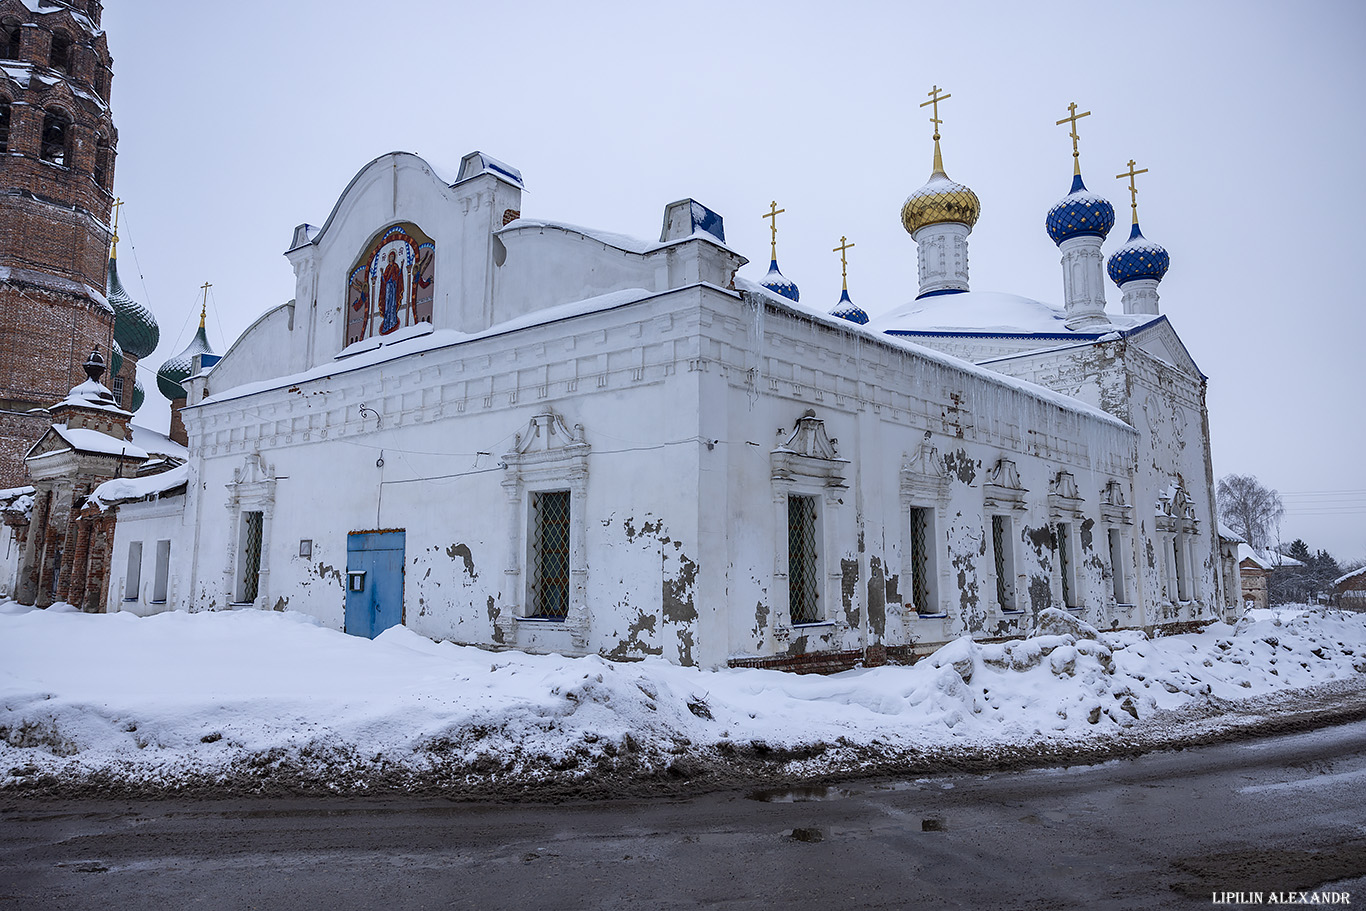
(391, 294)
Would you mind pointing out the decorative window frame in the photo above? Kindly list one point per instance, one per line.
(805, 464)
(924, 485)
(252, 490)
(1003, 493)
(1176, 520)
(546, 456)
(1004, 496)
(1116, 516)
(1065, 512)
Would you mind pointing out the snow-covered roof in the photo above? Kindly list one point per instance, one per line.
(94, 395)
(1354, 574)
(124, 490)
(1268, 561)
(1230, 535)
(55, 282)
(359, 356)
(476, 163)
(1246, 553)
(993, 313)
(612, 239)
(83, 439)
(156, 442)
(939, 357)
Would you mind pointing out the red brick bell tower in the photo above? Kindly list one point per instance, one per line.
(57, 150)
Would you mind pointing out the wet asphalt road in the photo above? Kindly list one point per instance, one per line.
(1162, 831)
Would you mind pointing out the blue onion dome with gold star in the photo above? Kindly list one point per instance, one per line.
(1080, 213)
(780, 284)
(135, 328)
(1139, 258)
(177, 369)
(847, 309)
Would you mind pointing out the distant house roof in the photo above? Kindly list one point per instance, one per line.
(1268, 561)
(1354, 575)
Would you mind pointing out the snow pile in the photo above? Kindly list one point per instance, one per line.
(181, 699)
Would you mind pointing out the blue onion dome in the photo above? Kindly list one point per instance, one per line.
(1139, 258)
(135, 328)
(780, 284)
(1080, 213)
(139, 394)
(940, 200)
(847, 309)
(176, 370)
(115, 360)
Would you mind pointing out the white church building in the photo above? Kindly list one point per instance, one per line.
(519, 433)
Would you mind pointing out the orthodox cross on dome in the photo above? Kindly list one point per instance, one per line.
(1072, 118)
(772, 216)
(204, 307)
(935, 98)
(844, 261)
(114, 250)
(1133, 188)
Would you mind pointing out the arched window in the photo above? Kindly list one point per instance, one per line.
(4, 125)
(56, 137)
(10, 29)
(60, 58)
(101, 160)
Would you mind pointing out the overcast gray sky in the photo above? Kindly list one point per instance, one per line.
(238, 122)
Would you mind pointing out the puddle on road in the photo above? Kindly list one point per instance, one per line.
(797, 795)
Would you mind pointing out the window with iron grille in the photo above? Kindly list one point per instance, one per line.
(920, 561)
(550, 554)
(802, 560)
(1069, 594)
(1004, 554)
(116, 387)
(250, 578)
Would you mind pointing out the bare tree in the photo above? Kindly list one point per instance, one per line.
(1250, 509)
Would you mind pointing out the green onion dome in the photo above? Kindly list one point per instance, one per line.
(139, 394)
(135, 328)
(176, 370)
(115, 360)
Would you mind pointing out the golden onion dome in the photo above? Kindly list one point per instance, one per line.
(940, 200)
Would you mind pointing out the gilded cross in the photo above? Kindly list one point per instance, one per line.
(935, 98)
(1072, 118)
(1133, 188)
(118, 203)
(204, 308)
(772, 216)
(842, 250)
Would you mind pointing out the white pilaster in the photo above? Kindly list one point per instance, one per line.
(1083, 282)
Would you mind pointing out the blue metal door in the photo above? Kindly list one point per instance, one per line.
(374, 582)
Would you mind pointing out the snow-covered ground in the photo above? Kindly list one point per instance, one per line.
(229, 699)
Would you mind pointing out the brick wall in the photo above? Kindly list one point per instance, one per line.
(54, 224)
